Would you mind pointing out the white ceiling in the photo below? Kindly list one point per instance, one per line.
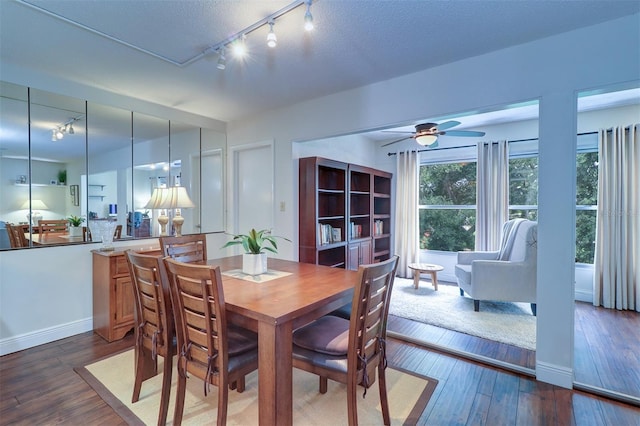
(110, 45)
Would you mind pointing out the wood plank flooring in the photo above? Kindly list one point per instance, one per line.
(39, 387)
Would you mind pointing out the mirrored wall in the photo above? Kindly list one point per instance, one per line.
(63, 158)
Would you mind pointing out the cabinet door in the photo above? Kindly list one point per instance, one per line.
(124, 301)
(359, 254)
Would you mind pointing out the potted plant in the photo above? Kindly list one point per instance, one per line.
(62, 177)
(75, 226)
(255, 244)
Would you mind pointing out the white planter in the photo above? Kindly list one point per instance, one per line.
(254, 264)
(75, 231)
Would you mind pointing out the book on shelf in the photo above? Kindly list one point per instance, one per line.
(356, 230)
(328, 234)
(378, 226)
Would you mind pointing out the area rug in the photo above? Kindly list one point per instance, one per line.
(510, 323)
(112, 378)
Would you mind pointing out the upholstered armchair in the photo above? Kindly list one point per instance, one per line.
(507, 275)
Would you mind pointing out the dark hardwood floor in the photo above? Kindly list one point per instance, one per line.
(38, 386)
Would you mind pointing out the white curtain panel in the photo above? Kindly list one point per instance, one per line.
(406, 226)
(492, 194)
(617, 251)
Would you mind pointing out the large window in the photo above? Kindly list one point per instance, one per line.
(448, 201)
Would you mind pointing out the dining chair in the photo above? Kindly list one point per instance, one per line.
(11, 235)
(86, 234)
(186, 248)
(218, 353)
(52, 226)
(117, 233)
(350, 351)
(153, 325)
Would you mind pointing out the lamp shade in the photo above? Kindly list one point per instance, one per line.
(426, 140)
(178, 198)
(158, 197)
(35, 205)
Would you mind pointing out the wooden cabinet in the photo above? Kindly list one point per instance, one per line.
(339, 206)
(359, 254)
(112, 294)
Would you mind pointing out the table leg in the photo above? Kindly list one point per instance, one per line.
(416, 278)
(275, 375)
(434, 279)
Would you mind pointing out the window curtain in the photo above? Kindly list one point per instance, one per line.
(492, 194)
(406, 214)
(617, 251)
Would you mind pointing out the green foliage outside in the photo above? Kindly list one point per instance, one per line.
(454, 184)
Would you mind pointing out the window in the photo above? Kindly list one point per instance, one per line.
(586, 205)
(448, 201)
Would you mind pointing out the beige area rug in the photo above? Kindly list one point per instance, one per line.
(510, 323)
(112, 378)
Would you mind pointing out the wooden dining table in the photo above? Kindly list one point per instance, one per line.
(274, 308)
(52, 238)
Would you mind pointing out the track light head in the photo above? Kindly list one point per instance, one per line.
(272, 40)
(70, 130)
(239, 47)
(59, 134)
(308, 18)
(222, 60)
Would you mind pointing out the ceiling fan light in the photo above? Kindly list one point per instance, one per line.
(426, 140)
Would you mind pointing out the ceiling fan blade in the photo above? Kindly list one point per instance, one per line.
(464, 133)
(433, 145)
(394, 131)
(396, 141)
(447, 125)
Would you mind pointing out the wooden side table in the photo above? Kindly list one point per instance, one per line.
(428, 268)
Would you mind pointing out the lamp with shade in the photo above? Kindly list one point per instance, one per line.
(158, 201)
(178, 199)
(34, 215)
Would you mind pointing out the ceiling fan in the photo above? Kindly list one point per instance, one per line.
(426, 134)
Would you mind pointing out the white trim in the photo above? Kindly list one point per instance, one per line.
(232, 201)
(45, 335)
(554, 374)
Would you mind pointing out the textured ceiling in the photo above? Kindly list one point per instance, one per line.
(355, 43)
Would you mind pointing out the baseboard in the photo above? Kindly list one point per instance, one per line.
(584, 296)
(46, 335)
(554, 374)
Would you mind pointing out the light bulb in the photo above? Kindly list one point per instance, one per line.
(239, 48)
(59, 134)
(222, 60)
(308, 18)
(272, 40)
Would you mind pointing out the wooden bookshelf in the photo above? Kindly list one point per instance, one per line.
(339, 207)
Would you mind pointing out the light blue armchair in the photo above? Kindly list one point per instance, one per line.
(507, 275)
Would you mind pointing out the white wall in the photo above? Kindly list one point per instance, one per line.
(552, 71)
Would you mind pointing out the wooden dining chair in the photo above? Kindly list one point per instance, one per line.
(218, 353)
(117, 233)
(52, 226)
(16, 235)
(350, 351)
(11, 235)
(186, 248)
(153, 325)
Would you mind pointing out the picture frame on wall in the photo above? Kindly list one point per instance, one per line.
(74, 190)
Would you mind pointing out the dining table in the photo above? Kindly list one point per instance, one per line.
(52, 238)
(289, 295)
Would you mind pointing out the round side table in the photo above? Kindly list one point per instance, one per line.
(428, 268)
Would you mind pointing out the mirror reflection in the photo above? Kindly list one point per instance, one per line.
(82, 165)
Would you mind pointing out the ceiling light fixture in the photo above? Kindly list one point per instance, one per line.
(222, 60)
(426, 140)
(67, 127)
(70, 129)
(239, 47)
(308, 18)
(272, 40)
(60, 133)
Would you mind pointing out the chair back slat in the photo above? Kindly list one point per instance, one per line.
(186, 248)
(52, 226)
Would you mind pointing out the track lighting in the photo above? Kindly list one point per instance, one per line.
(67, 127)
(53, 136)
(70, 129)
(308, 18)
(59, 133)
(272, 40)
(239, 47)
(222, 60)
